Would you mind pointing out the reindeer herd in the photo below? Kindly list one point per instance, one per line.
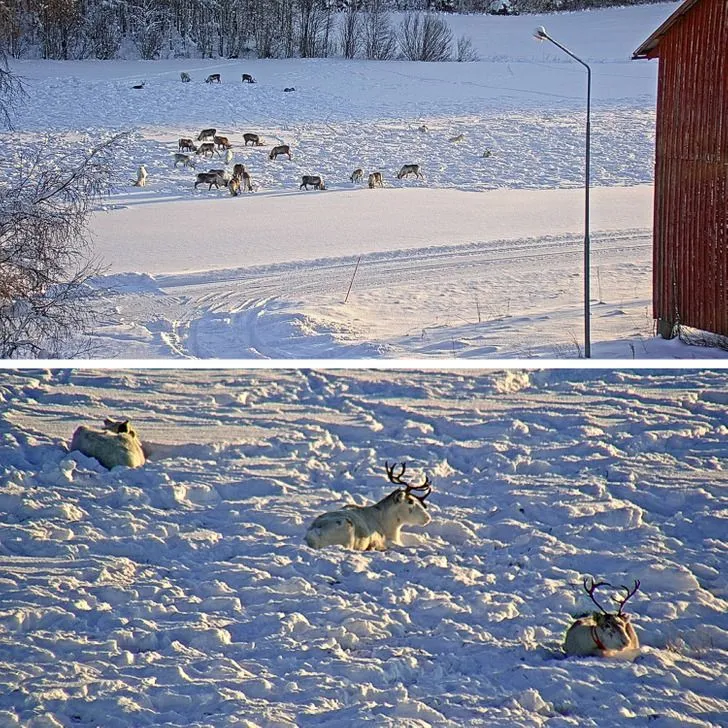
(378, 527)
(209, 144)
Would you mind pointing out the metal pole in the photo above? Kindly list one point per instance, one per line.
(358, 260)
(587, 241)
(541, 34)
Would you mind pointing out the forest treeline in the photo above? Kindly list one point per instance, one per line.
(148, 29)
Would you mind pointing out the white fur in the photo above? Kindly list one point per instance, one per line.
(367, 528)
(110, 446)
(142, 175)
(614, 631)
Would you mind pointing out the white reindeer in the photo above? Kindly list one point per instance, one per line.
(373, 528)
(116, 444)
(142, 175)
(602, 633)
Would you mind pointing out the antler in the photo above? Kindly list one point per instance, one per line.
(630, 593)
(590, 591)
(396, 478)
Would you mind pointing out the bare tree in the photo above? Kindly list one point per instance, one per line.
(46, 197)
(350, 32)
(425, 37)
(149, 29)
(11, 90)
(380, 41)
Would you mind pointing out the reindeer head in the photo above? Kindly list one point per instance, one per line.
(413, 506)
(613, 630)
(119, 427)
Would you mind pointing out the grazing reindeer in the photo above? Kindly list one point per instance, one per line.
(184, 160)
(141, 180)
(185, 77)
(314, 180)
(187, 145)
(213, 78)
(457, 138)
(357, 175)
(602, 633)
(254, 139)
(234, 186)
(212, 177)
(247, 78)
(116, 444)
(140, 85)
(206, 134)
(207, 148)
(377, 526)
(375, 180)
(242, 176)
(247, 182)
(229, 156)
(280, 149)
(409, 169)
(222, 142)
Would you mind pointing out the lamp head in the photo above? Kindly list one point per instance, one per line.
(540, 33)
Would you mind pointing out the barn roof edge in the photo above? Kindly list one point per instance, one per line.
(644, 51)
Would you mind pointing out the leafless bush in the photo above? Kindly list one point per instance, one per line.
(46, 197)
(425, 37)
(466, 52)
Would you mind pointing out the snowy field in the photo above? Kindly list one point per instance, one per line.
(481, 259)
(182, 594)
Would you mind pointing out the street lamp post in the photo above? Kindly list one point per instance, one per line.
(541, 34)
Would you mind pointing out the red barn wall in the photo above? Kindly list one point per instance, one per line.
(691, 174)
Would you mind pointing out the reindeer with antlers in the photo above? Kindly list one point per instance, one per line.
(374, 527)
(602, 633)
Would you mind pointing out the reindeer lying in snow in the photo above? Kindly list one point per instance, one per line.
(373, 528)
(116, 444)
(602, 633)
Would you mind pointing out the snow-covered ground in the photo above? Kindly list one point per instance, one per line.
(182, 594)
(481, 259)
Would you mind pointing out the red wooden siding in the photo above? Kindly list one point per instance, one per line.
(691, 174)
